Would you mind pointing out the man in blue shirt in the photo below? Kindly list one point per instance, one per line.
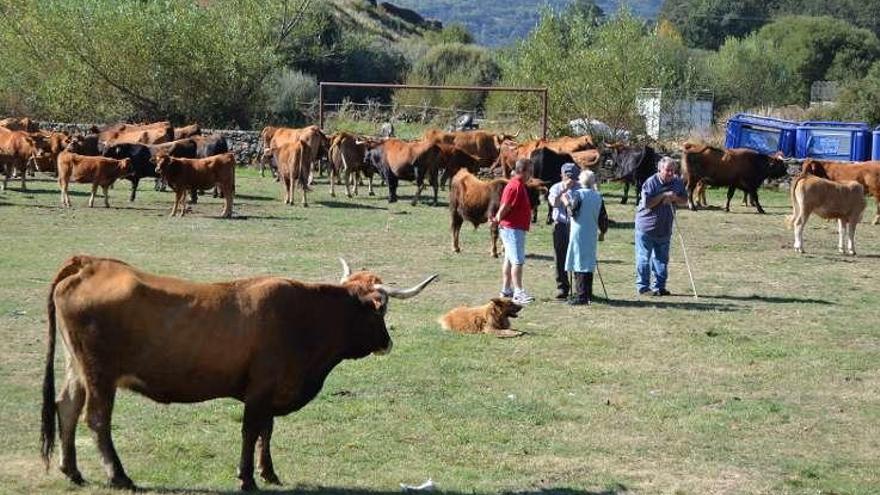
(653, 231)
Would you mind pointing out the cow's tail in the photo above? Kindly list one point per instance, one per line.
(305, 169)
(789, 220)
(47, 430)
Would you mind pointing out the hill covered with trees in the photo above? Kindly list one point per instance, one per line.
(500, 23)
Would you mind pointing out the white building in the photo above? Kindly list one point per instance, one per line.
(670, 119)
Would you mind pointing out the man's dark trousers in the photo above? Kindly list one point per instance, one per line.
(560, 248)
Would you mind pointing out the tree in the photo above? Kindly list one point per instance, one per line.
(707, 23)
(137, 60)
(859, 100)
(819, 48)
(749, 72)
(594, 70)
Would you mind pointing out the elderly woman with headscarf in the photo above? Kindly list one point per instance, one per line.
(588, 219)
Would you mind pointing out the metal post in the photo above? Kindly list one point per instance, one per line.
(544, 117)
(321, 106)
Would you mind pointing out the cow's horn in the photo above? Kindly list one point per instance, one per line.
(346, 271)
(404, 293)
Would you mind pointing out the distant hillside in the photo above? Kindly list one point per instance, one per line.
(497, 23)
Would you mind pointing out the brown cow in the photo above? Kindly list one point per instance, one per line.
(312, 135)
(17, 150)
(737, 168)
(53, 144)
(453, 159)
(291, 160)
(155, 133)
(185, 174)
(482, 144)
(568, 144)
(865, 173)
(346, 155)
(269, 342)
(844, 201)
(187, 131)
(476, 201)
(19, 124)
(396, 159)
(94, 170)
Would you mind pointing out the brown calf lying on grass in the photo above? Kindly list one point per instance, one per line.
(844, 201)
(492, 318)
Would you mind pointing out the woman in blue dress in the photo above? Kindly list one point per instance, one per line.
(589, 222)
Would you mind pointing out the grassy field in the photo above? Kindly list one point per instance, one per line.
(768, 383)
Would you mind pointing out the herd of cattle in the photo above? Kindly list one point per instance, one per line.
(188, 162)
(273, 341)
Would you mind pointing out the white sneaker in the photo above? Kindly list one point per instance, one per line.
(522, 297)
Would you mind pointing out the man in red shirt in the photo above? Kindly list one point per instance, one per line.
(514, 217)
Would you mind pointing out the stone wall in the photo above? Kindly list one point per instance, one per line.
(244, 144)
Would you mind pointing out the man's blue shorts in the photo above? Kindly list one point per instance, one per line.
(514, 241)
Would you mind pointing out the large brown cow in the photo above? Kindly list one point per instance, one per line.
(94, 170)
(842, 201)
(475, 201)
(269, 342)
(312, 135)
(453, 159)
(484, 145)
(737, 168)
(865, 173)
(17, 150)
(186, 174)
(396, 159)
(291, 160)
(53, 144)
(187, 131)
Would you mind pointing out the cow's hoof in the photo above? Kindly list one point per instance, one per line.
(122, 481)
(74, 476)
(248, 485)
(371, 194)
(799, 250)
(271, 478)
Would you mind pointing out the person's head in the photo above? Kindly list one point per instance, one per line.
(570, 171)
(666, 169)
(587, 179)
(523, 168)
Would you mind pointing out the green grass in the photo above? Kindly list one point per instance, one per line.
(768, 383)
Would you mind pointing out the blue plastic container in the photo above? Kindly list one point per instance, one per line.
(875, 144)
(841, 141)
(763, 134)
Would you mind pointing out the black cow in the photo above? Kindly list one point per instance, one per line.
(141, 166)
(633, 165)
(85, 145)
(547, 167)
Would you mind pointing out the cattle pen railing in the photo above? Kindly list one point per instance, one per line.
(543, 92)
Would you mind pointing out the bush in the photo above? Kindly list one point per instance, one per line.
(292, 97)
(749, 72)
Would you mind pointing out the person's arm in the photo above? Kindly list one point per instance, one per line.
(502, 212)
(603, 222)
(655, 201)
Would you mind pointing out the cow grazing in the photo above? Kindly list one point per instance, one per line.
(186, 174)
(475, 201)
(843, 201)
(94, 170)
(269, 342)
(396, 159)
(187, 131)
(492, 318)
(865, 173)
(633, 165)
(17, 150)
(737, 168)
(291, 159)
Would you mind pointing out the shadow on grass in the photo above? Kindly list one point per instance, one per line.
(540, 257)
(328, 490)
(254, 197)
(667, 303)
(330, 203)
(769, 299)
(621, 225)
